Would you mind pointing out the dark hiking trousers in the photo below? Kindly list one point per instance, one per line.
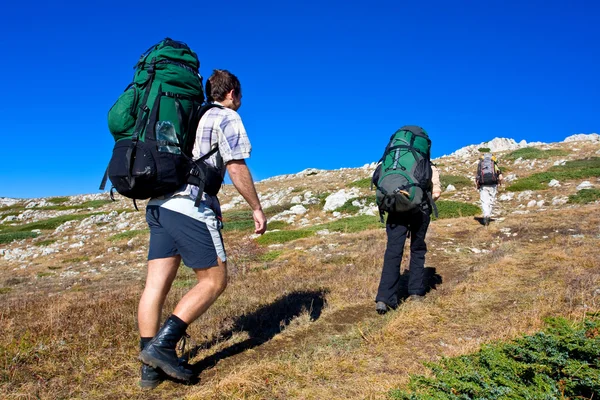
(397, 226)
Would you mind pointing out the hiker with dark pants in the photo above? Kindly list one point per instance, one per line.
(407, 187)
(487, 179)
(184, 229)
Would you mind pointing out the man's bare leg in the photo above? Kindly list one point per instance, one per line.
(161, 274)
(211, 283)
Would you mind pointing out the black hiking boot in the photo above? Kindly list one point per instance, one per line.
(160, 352)
(381, 307)
(150, 377)
(486, 221)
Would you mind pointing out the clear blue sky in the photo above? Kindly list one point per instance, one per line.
(325, 83)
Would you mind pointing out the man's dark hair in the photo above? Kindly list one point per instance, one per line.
(220, 83)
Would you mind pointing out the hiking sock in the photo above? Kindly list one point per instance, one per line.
(179, 324)
(144, 341)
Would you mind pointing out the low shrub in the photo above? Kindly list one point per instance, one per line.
(559, 362)
(270, 256)
(58, 200)
(348, 208)
(455, 209)
(533, 153)
(585, 196)
(484, 150)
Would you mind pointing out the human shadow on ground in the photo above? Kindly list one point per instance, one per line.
(261, 325)
(430, 278)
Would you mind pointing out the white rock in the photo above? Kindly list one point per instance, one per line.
(476, 250)
(585, 185)
(338, 198)
(507, 196)
(525, 195)
(592, 137)
(559, 162)
(296, 200)
(298, 209)
(450, 188)
(559, 200)
(531, 203)
(540, 203)
(76, 245)
(337, 214)
(322, 232)
(554, 183)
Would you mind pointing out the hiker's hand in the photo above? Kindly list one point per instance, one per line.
(260, 221)
(436, 195)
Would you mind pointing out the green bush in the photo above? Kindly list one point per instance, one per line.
(484, 150)
(559, 362)
(277, 225)
(455, 209)
(457, 181)
(10, 236)
(576, 169)
(128, 234)
(361, 183)
(240, 225)
(283, 236)
(532, 153)
(585, 196)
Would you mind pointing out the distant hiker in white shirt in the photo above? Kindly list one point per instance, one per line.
(487, 179)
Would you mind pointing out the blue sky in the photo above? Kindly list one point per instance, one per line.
(325, 83)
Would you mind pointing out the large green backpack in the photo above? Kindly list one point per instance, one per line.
(154, 123)
(403, 176)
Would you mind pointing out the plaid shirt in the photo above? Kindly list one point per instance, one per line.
(222, 126)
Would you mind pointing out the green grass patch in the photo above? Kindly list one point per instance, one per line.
(48, 224)
(239, 215)
(45, 242)
(277, 225)
(283, 236)
(576, 169)
(44, 274)
(58, 200)
(10, 236)
(244, 225)
(276, 209)
(584, 196)
(560, 362)
(5, 290)
(458, 181)
(350, 225)
(128, 234)
(361, 183)
(533, 153)
(86, 204)
(484, 150)
(270, 256)
(455, 209)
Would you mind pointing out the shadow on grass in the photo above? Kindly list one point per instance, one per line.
(262, 325)
(480, 220)
(430, 277)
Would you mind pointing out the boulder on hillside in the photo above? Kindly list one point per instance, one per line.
(581, 137)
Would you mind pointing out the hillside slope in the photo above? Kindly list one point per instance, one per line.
(298, 320)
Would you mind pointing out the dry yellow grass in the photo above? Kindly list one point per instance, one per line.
(301, 325)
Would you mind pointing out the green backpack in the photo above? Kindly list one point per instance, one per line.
(154, 124)
(403, 176)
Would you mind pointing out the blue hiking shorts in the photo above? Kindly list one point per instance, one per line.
(196, 238)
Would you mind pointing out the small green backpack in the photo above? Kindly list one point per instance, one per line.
(154, 124)
(403, 176)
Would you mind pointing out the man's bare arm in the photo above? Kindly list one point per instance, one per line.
(242, 180)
